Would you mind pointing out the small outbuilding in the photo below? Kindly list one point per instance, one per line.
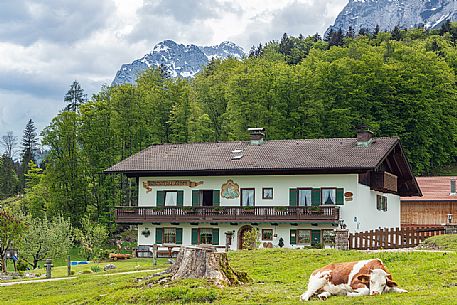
(437, 206)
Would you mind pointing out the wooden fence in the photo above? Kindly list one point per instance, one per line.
(392, 238)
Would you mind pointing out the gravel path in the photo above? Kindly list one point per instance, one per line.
(73, 277)
(127, 272)
(37, 281)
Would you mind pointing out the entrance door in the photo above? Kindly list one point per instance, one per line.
(207, 198)
(241, 233)
(315, 237)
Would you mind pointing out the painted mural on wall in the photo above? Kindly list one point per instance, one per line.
(230, 190)
(149, 184)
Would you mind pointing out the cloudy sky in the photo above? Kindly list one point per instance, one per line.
(46, 44)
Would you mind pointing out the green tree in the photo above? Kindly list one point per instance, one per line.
(92, 237)
(36, 199)
(46, 238)
(65, 170)
(9, 182)
(12, 229)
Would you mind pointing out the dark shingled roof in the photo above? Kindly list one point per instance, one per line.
(313, 155)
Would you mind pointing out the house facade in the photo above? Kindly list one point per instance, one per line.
(295, 192)
(437, 206)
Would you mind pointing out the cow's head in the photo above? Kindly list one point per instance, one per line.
(378, 281)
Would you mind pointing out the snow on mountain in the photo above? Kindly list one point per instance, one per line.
(390, 13)
(179, 60)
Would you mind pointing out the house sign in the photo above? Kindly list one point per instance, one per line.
(149, 184)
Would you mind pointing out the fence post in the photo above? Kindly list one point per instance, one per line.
(342, 239)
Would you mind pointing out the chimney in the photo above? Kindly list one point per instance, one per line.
(453, 188)
(257, 135)
(364, 136)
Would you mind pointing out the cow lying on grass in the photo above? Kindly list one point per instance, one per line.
(368, 277)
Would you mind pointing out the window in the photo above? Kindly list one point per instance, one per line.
(206, 236)
(381, 203)
(267, 193)
(171, 198)
(169, 236)
(328, 196)
(247, 197)
(304, 197)
(303, 237)
(267, 234)
(328, 237)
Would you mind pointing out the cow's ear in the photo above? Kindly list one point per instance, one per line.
(391, 283)
(364, 278)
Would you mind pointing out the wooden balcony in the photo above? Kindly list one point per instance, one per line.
(384, 182)
(317, 214)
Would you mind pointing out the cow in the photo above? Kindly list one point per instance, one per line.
(367, 277)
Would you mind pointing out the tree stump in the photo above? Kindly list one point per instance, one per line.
(205, 262)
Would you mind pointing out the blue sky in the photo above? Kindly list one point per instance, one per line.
(46, 44)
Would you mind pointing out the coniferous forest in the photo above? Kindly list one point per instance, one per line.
(400, 83)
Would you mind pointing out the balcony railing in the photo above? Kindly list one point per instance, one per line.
(227, 214)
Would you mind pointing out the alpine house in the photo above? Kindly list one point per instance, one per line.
(295, 192)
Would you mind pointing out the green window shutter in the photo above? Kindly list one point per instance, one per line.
(316, 197)
(180, 202)
(195, 198)
(194, 240)
(293, 237)
(159, 235)
(340, 196)
(160, 202)
(179, 236)
(216, 237)
(216, 198)
(293, 196)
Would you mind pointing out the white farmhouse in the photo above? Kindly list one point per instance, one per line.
(293, 191)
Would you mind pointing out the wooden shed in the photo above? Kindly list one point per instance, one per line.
(437, 206)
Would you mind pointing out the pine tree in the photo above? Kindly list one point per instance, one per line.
(363, 32)
(328, 35)
(445, 27)
(336, 38)
(285, 46)
(396, 33)
(317, 37)
(8, 178)
(75, 97)
(29, 149)
(376, 31)
(350, 33)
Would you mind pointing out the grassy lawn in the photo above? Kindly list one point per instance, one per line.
(279, 276)
(442, 242)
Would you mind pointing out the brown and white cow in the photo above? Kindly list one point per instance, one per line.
(368, 277)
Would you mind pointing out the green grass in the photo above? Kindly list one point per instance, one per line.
(442, 242)
(279, 276)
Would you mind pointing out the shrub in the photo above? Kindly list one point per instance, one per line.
(22, 265)
(251, 239)
(95, 268)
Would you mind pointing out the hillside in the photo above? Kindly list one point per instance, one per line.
(279, 276)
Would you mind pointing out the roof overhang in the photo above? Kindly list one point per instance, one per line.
(242, 172)
(397, 163)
